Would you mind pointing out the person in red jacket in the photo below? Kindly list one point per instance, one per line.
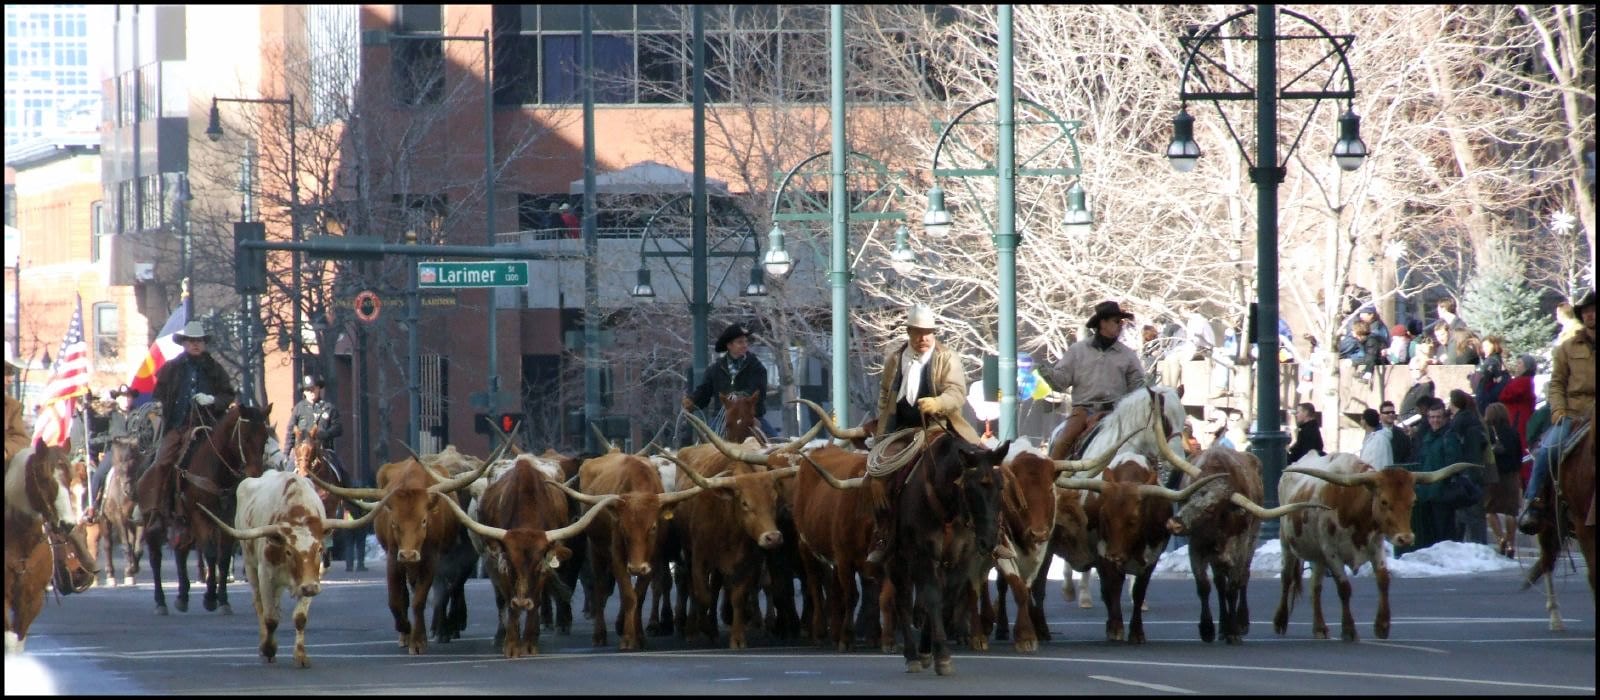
(1518, 395)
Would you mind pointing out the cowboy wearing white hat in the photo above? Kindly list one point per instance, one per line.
(187, 387)
(923, 383)
(1571, 397)
(1099, 370)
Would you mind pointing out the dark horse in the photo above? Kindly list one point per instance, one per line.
(216, 458)
(115, 515)
(1574, 479)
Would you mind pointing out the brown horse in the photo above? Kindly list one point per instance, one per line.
(216, 458)
(40, 517)
(739, 418)
(1574, 478)
(310, 459)
(115, 515)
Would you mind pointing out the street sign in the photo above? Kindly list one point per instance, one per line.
(494, 273)
(485, 401)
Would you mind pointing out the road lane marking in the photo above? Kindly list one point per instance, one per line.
(1404, 646)
(1142, 684)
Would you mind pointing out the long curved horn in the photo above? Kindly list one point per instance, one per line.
(342, 524)
(483, 530)
(576, 528)
(854, 483)
(364, 504)
(602, 438)
(668, 499)
(413, 453)
(653, 441)
(347, 493)
(799, 442)
(1445, 473)
(1253, 508)
(1092, 465)
(1176, 461)
(702, 482)
(875, 465)
(729, 449)
(826, 421)
(1182, 494)
(1367, 479)
(1095, 485)
(579, 496)
(250, 534)
(462, 481)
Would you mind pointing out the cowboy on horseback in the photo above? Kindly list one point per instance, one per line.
(736, 371)
(923, 383)
(192, 389)
(1571, 395)
(313, 411)
(117, 427)
(1099, 370)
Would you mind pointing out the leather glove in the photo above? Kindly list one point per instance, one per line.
(205, 399)
(929, 405)
(688, 404)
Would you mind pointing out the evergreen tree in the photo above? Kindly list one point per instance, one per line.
(1498, 301)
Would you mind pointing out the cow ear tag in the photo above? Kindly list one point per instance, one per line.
(666, 514)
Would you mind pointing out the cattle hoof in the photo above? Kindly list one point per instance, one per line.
(1027, 647)
(926, 660)
(270, 659)
(161, 610)
(182, 604)
(1233, 639)
(913, 667)
(978, 643)
(1348, 634)
(1208, 633)
(227, 609)
(736, 643)
(209, 603)
(127, 580)
(302, 661)
(1319, 633)
(1381, 630)
(1085, 604)
(1114, 635)
(944, 667)
(1136, 637)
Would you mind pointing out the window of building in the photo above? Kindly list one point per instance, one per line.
(100, 227)
(107, 342)
(418, 62)
(424, 214)
(333, 38)
(150, 202)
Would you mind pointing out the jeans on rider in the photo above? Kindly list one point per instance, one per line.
(1548, 451)
(160, 470)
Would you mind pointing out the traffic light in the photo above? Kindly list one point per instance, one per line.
(250, 266)
(507, 422)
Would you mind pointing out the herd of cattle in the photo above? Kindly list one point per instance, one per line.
(709, 530)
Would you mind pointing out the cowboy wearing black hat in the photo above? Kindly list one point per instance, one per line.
(189, 387)
(735, 371)
(1570, 394)
(1100, 370)
(313, 411)
(116, 426)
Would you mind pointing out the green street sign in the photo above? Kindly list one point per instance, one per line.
(495, 273)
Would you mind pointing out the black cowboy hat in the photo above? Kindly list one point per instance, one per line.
(312, 380)
(733, 332)
(1587, 301)
(1104, 310)
(124, 390)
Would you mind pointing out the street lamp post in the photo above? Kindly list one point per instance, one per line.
(805, 208)
(214, 132)
(1269, 440)
(938, 220)
(493, 389)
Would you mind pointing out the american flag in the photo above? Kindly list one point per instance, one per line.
(68, 381)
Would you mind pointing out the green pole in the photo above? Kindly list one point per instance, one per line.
(1006, 241)
(700, 307)
(839, 276)
(1269, 440)
(591, 244)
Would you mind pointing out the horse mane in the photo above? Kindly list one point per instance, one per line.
(1132, 416)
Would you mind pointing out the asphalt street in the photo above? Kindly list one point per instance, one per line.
(1452, 635)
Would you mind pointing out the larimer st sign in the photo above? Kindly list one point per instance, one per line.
(495, 273)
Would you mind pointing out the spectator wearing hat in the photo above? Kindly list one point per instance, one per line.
(16, 431)
(1401, 346)
(313, 412)
(569, 221)
(116, 427)
(735, 371)
(191, 388)
(1570, 394)
(1099, 371)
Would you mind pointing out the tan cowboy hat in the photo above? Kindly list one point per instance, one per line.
(193, 330)
(921, 317)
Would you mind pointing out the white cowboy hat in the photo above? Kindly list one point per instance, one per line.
(193, 330)
(921, 317)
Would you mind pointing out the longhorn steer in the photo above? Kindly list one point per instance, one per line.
(280, 523)
(415, 530)
(1223, 520)
(623, 539)
(524, 518)
(1364, 505)
(1127, 514)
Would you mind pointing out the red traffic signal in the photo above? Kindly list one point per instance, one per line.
(483, 424)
